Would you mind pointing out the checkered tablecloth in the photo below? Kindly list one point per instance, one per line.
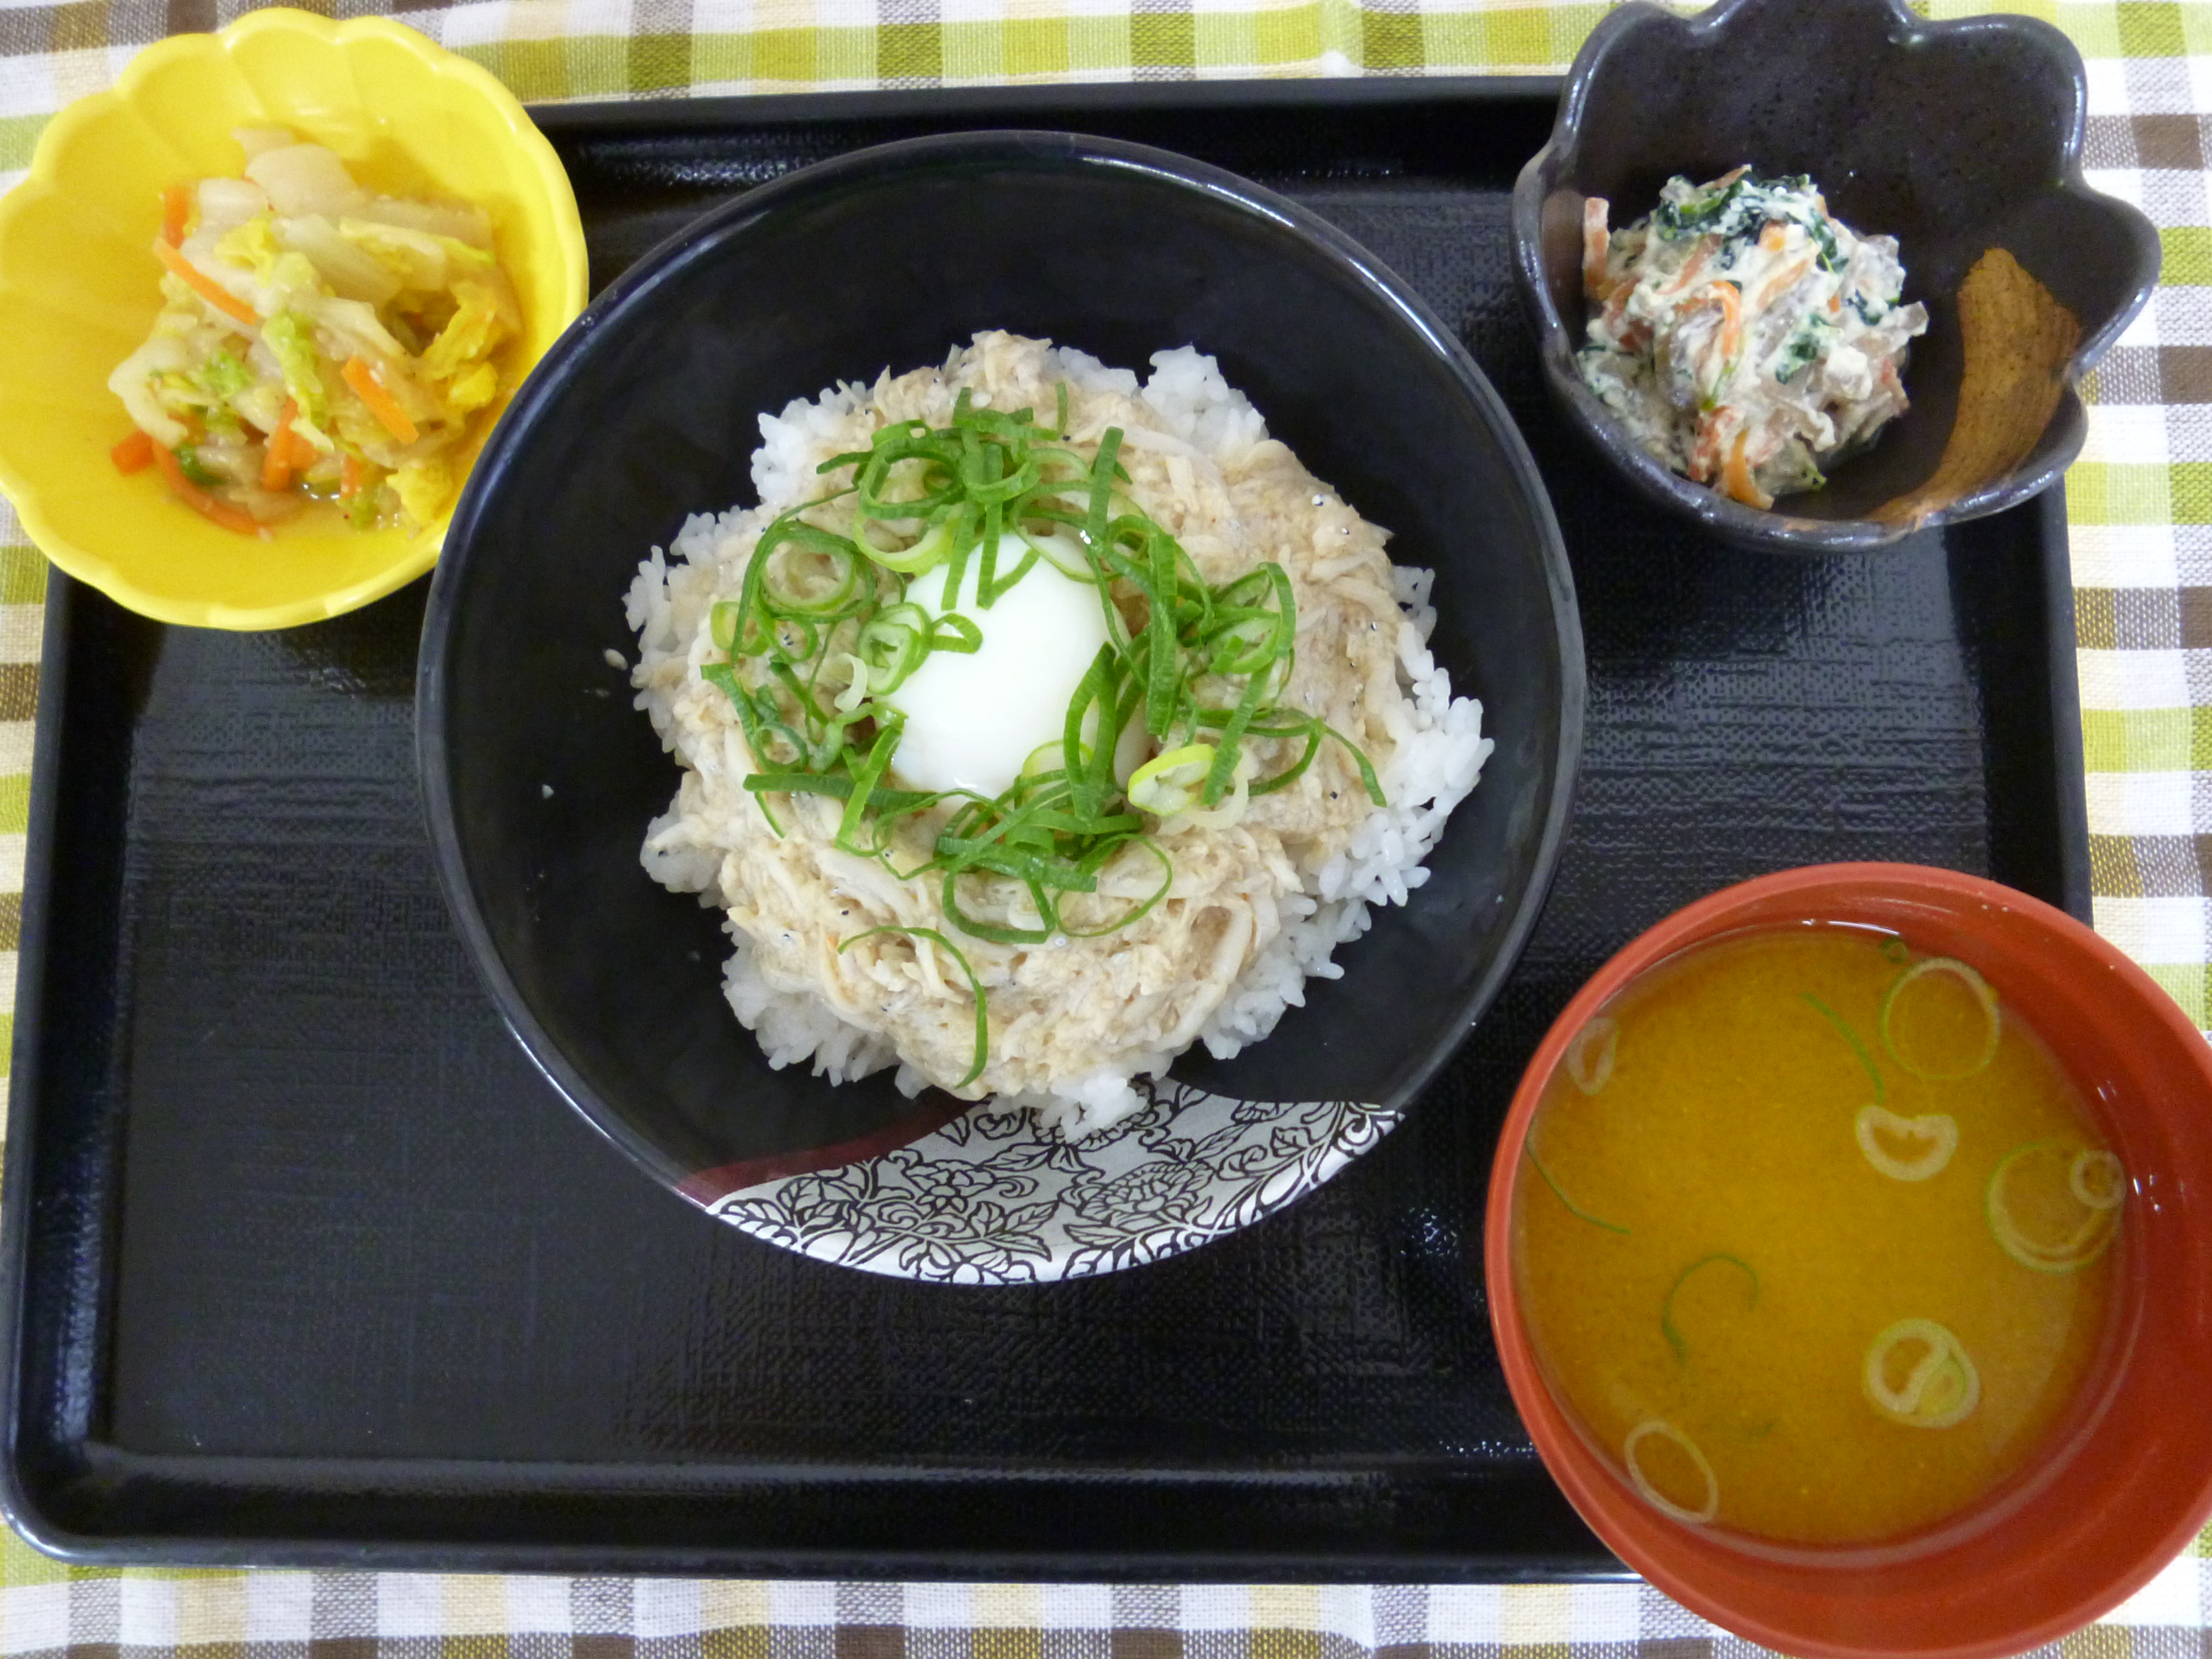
(2140, 502)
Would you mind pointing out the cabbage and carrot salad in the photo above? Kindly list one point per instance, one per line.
(315, 342)
(1744, 335)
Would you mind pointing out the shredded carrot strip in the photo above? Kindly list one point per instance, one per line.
(1771, 238)
(219, 511)
(176, 210)
(1835, 302)
(277, 461)
(1781, 282)
(209, 290)
(1731, 317)
(370, 390)
(1597, 241)
(352, 475)
(1736, 475)
(1706, 451)
(1691, 267)
(1616, 307)
(134, 455)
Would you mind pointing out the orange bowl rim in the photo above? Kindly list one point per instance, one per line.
(1588, 1484)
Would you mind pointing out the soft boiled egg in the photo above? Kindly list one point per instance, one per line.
(972, 718)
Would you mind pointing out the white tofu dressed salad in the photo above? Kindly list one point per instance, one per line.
(315, 342)
(1745, 335)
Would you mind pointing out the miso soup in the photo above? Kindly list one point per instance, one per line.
(1814, 1237)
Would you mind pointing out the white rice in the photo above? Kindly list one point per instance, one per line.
(1439, 758)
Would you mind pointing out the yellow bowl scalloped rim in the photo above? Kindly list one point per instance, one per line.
(81, 288)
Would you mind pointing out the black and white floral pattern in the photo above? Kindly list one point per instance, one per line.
(993, 1198)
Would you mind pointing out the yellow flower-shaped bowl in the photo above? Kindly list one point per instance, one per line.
(80, 287)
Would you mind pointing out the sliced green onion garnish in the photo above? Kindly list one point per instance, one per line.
(1064, 556)
(838, 787)
(955, 633)
(1141, 907)
(1936, 1131)
(1651, 1494)
(1939, 1388)
(2093, 1179)
(925, 552)
(1843, 1028)
(1168, 784)
(892, 644)
(974, 986)
(1048, 759)
(949, 897)
(938, 474)
(864, 783)
(2098, 1179)
(1667, 1327)
(1590, 1054)
(1983, 995)
(824, 589)
(856, 690)
(1573, 1208)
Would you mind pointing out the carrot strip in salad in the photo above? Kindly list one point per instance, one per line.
(1691, 267)
(382, 403)
(1596, 243)
(352, 475)
(1736, 475)
(176, 213)
(217, 512)
(1706, 454)
(134, 455)
(1731, 299)
(1781, 283)
(1616, 311)
(276, 459)
(205, 286)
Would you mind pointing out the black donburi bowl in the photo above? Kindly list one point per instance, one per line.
(539, 776)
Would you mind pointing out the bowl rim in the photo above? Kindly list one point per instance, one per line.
(739, 216)
(1588, 1484)
(1766, 530)
(419, 553)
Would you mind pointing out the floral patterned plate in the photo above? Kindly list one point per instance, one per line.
(993, 1199)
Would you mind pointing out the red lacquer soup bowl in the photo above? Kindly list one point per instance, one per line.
(2124, 1484)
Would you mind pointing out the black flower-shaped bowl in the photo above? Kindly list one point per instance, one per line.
(1957, 138)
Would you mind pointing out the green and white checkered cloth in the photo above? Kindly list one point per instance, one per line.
(2141, 504)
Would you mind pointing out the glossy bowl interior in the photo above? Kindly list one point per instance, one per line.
(81, 286)
(2130, 1484)
(1956, 137)
(540, 777)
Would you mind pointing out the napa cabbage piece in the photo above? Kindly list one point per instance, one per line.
(316, 342)
(287, 336)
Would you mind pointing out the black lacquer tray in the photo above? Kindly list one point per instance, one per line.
(305, 1264)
